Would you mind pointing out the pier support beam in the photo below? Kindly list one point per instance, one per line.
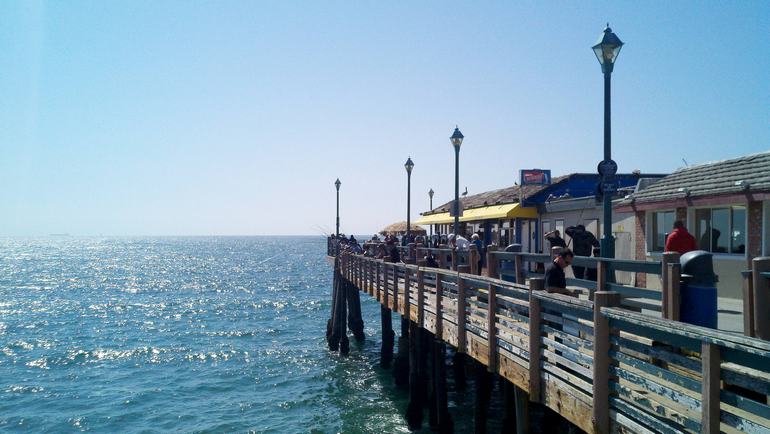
(445, 423)
(483, 394)
(355, 321)
(386, 351)
(401, 364)
(414, 410)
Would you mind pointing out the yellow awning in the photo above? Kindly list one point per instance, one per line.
(494, 212)
(434, 219)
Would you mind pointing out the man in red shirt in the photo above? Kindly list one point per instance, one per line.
(679, 240)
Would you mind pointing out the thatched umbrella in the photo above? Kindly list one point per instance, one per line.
(400, 229)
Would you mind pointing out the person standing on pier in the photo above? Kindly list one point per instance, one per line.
(583, 243)
(479, 248)
(555, 239)
(555, 279)
(679, 240)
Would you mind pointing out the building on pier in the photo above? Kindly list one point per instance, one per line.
(523, 213)
(725, 206)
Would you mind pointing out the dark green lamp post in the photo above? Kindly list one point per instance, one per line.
(430, 195)
(337, 184)
(409, 165)
(607, 49)
(457, 140)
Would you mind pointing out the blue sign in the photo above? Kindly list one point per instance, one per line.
(534, 177)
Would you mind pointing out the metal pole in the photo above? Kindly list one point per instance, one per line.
(607, 242)
(431, 226)
(408, 205)
(456, 205)
(338, 212)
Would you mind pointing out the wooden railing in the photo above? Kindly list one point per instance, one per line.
(517, 266)
(601, 367)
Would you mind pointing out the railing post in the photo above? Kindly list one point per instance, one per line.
(454, 259)
(492, 327)
(674, 286)
(473, 258)
(748, 303)
(601, 278)
(377, 286)
(601, 367)
(407, 290)
(395, 288)
(667, 296)
(761, 297)
(460, 315)
(492, 262)
(442, 257)
(535, 351)
(439, 308)
(710, 366)
(411, 253)
(420, 298)
(385, 278)
(519, 270)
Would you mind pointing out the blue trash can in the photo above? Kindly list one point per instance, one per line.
(508, 268)
(698, 290)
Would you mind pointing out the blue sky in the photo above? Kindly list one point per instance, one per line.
(198, 118)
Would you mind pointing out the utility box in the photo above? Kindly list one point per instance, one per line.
(698, 289)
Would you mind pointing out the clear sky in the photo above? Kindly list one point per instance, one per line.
(225, 117)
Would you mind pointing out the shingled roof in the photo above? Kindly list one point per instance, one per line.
(498, 197)
(750, 173)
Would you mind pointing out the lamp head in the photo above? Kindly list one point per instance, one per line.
(607, 49)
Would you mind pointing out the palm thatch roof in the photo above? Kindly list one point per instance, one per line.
(400, 229)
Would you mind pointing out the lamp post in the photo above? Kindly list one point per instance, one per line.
(409, 165)
(430, 195)
(457, 140)
(607, 49)
(337, 184)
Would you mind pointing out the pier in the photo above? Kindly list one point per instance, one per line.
(601, 361)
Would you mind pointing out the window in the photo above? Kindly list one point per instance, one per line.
(721, 230)
(662, 223)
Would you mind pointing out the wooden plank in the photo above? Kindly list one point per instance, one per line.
(567, 401)
(649, 369)
(439, 308)
(634, 292)
(649, 384)
(420, 298)
(645, 402)
(648, 420)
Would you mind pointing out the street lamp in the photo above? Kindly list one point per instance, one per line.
(607, 49)
(430, 195)
(409, 165)
(457, 140)
(337, 184)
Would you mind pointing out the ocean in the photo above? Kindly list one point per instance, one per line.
(188, 334)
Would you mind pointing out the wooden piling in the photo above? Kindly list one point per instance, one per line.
(761, 297)
(401, 363)
(492, 327)
(414, 410)
(458, 360)
(344, 342)
(473, 258)
(355, 320)
(482, 397)
(601, 367)
(445, 423)
(386, 350)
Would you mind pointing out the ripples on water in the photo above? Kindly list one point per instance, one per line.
(181, 334)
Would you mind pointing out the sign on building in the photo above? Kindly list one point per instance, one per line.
(534, 177)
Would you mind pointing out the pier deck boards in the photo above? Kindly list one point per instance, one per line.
(649, 375)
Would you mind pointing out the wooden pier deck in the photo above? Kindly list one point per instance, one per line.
(601, 366)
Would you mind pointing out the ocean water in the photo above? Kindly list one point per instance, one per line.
(200, 334)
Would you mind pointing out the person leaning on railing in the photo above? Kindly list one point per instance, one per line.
(555, 279)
